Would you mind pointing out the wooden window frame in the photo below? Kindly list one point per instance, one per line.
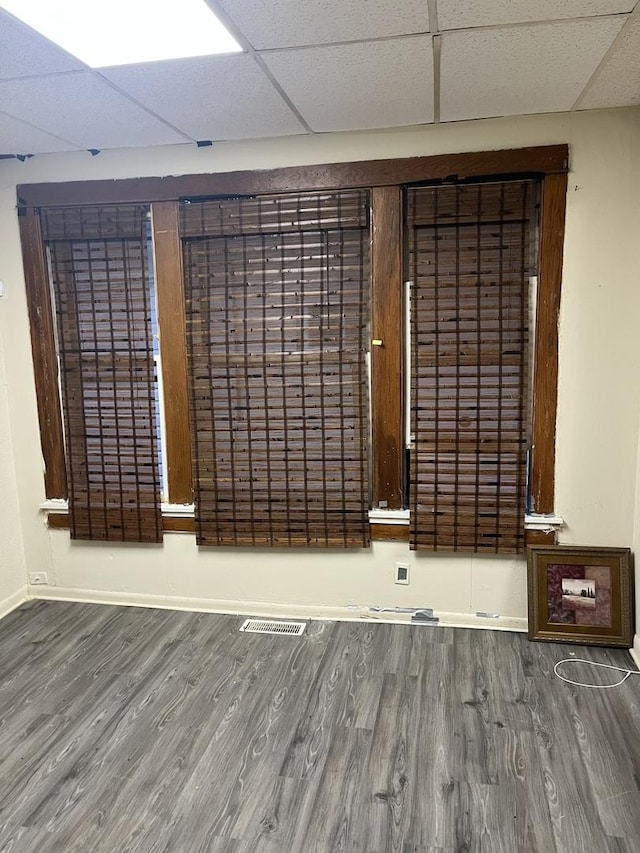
(384, 178)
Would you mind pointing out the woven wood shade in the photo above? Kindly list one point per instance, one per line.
(470, 261)
(101, 285)
(277, 300)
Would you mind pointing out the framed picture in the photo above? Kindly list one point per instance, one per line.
(580, 595)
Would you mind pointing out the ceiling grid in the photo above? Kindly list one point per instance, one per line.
(323, 66)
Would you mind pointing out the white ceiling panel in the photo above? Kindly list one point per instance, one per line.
(290, 23)
(24, 53)
(343, 64)
(81, 107)
(220, 97)
(359, 86)
(618, 82)
(518, 70)
(455, 14)
(16, 137)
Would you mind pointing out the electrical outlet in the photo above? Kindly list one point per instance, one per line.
(402, 573)
(38, 578)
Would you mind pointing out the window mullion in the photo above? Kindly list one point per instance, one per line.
(173, 350)
(545, 382)
(387, 351)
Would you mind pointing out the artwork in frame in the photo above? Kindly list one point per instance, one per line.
(580, 595)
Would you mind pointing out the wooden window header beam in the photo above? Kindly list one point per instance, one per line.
(543, 160)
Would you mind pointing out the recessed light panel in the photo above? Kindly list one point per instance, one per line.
(123, 32)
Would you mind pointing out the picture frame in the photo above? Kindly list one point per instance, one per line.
(580, 595)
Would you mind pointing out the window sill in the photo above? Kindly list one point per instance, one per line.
(545, 523)
(386, 525)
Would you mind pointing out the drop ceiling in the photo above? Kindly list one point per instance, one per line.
(327, 65)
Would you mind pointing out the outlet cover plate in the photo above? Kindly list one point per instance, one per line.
(402, 573)
(38, 578)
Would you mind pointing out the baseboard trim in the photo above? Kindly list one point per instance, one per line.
(470, 620)
(13, 601)
(635, 650)
(354, 613)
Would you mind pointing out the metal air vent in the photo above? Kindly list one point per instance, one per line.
(266, 626)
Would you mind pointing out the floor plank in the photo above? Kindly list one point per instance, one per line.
(391, 774)
(129, 729)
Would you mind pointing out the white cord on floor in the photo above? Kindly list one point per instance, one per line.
(627, 672)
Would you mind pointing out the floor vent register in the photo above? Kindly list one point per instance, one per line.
(267, 626)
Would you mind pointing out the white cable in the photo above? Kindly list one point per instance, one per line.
(627, 672)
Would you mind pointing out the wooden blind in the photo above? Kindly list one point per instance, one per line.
(277, 299)
(470, 260)
(98, 262)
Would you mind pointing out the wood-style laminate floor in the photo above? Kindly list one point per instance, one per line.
(126, 729)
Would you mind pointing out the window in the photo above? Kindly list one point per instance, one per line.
(101, 286)
(470, 264)
(265, 316)
(277, 321)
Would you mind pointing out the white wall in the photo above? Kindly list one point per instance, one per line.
(12, 563)
(599, 343)
(636, 549)
(599, 395)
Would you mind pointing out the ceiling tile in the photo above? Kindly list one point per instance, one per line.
(455, 14)
(518, 70)
(16, 137)
(83, 108)
(359, 86)
(221, 97)
(283, 23)
(25, 53)
(618, 83)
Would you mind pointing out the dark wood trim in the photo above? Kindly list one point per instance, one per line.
(43, 349)
(545, 379)
(60, 521)
(178, 525)
(543, 160)
(387, 358)
(379, 532)
(385, 177)
(540, 537)
(172, 325)
(389, 532)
